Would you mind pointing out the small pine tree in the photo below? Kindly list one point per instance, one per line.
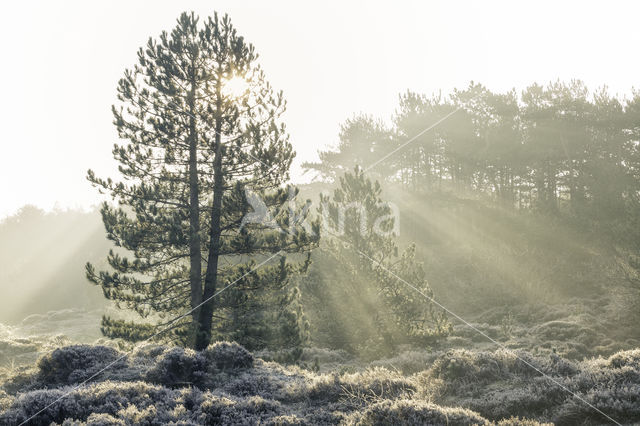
(270, 316)
(378, 306)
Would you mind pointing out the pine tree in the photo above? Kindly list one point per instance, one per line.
(195, 156)
(379, 306)
(363, 142)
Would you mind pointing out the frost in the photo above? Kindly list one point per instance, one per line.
(225, 384)
(410, 412)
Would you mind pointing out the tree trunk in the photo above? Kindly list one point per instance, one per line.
(195, 255)
(211, 277)
(552, 188)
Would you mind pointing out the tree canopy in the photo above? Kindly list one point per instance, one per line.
(559, 148)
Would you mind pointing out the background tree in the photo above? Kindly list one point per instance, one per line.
(557, 149)
(363, 141)
(419, 165)
(193, 148)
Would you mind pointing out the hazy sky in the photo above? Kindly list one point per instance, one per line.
(62, 60)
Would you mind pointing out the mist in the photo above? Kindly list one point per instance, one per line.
(412, 214)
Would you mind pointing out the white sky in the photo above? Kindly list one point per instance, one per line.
(62, 60)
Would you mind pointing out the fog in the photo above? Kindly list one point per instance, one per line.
(338, 214)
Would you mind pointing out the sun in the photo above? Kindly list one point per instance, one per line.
(236, 87)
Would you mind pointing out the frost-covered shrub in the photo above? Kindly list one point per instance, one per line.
(266, 379)
(566, 331)
(462, 370)
(138, 403)
(133, 415)
(147, 353)
(558, 366)
(521, 398)
(324, 387)
(225, 355)
(214, 409)
(96, 420)
(378, 381)
(624, 359)
(620, 403)
(325, 415)
(412, 412)
(287, 356)
(5, 400)
(73, 364)
(326, 356)
(105, 397)
(500, 385)
(358, 389)
(619, 370)
(27, 405)
(179, 367)
(408, 362)
(463, 330)
(289, 420)
(249, 383)
(612, 385)
(15, 347)
(458, 341)
(20, 378)
(517, 421)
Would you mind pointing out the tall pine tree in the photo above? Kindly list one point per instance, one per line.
(193, 149)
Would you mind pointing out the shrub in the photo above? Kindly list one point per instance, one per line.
(5, 401)
(247, 384)
(326, 356)
(215, 409)
(621, 403)
(408, 362)
(291, 420)
(179, 367)
(459, 371)
(565, 331)
(356, 390)
(74, 364)
(517, 421)
(520, 398)
(411, 412)
(29, 404)
(625, 359)
(112, 398)
(225, 355)
(612, 385)
(96, 420)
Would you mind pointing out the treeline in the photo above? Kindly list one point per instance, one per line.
(557, 149)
